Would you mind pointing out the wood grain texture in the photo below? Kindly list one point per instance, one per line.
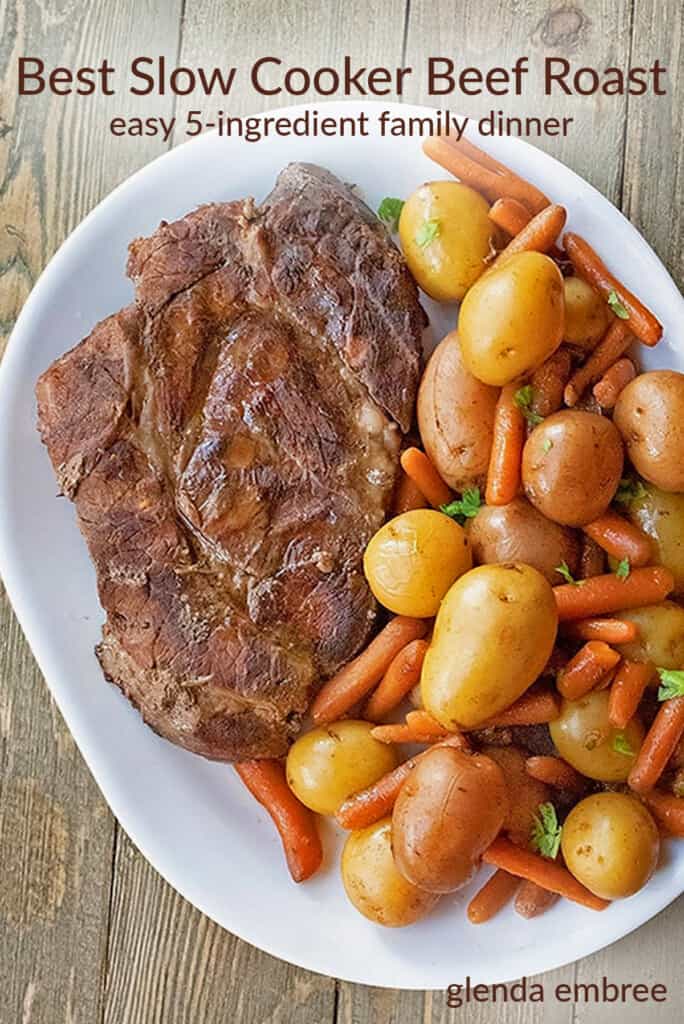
(72, 947)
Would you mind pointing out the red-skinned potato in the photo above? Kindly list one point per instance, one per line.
(650, 416)
(456, 417)
(448, 811)
(572, 465)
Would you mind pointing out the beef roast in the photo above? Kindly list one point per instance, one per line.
(230, 442)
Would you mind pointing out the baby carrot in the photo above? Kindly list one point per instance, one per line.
(547, 873)
(356, 679)
(611, 631)
(503, 476)
(509, 215)
(405, 732)
(492, 897)
(589, 265)
(399, 679)
(534, 708)
(586, 669)
(531, 900)
(265, 779)
(658, 746)
(610, 348)
(554, 771)
(607, 389)
(407, 496)
(537, 236)
(620, 538)
(418, 467)
(602, 594)
(626, 691)
(668, 810)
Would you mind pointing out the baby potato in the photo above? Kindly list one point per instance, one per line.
(572, 465)
(525, 793)
(586, 314)
(661, 516)
(511, 320)
(447, 813)
(493, 634)
(583, 736)
(328, 764)
(413, 559)
(661, 635)
(456, 417)
(610, 843)
(517, 532)
(650, 416)
(373, 883)
(446, 235)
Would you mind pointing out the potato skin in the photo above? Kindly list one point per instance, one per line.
(661, 635)
(661, 515)
(650, 416)
(572, 465)
(456, 417)
(511, 320)
(517, 532)
(586, 314)
(584, 737)
(493, 634)
(374, 885)
(447, 813)
(611, 844)
(447, 266)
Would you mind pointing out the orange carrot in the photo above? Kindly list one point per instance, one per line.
(399, 679)
(547, 873)
(592, 559)
(607, 390)
(418, 467)
(404, 732)
(603, 594)
(610, 348)
(295, 823)
(376, 801)
(658, 746)
(492, 897)
(586, 669)
(631, 679)
(510, 215)
(554, 771)
(620, 538)
(422, 719)
(356, 679)
(482, 172)
(537, 236)
(668, 811)
(588, 265)
(534, 708)
(611, 631)
(503, 476)
(407, 496)
(548, 383)
(531, 900)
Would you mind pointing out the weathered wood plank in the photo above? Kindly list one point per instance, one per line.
(56, 833)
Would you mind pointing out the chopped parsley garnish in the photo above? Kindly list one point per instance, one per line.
(621, 744)
(427, 232)
(389, 212)
(465, 507)
(564, 570)
(623, 569)
(523, 398)
(630, 489)
(547, 446)
(671, 683)
(617, 307)
(546, 832)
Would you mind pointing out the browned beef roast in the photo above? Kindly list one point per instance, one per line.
(230, 442)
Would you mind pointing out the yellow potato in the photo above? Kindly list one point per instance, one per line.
(446, 235)
(650, 416)
(493, 635)
(587, 314)
(448, 811)
(611, 844)
(413, 559)
(660, 514)
(373, 883)
(661, 635)
(511, 320)
(328, 764)
(456, 417)
(586, 739)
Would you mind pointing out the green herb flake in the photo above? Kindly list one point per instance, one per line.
(546, 832)
(564, 570)
(629, 489)
(465, 507)
(617, 307)
(623, 569)
(427, 232)
(524, 398)
(389, 212)
(671, 683)
(621, 745)
(547, 446)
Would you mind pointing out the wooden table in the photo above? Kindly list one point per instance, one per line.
(88, 931)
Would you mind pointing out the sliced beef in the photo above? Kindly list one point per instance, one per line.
(230, 442)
